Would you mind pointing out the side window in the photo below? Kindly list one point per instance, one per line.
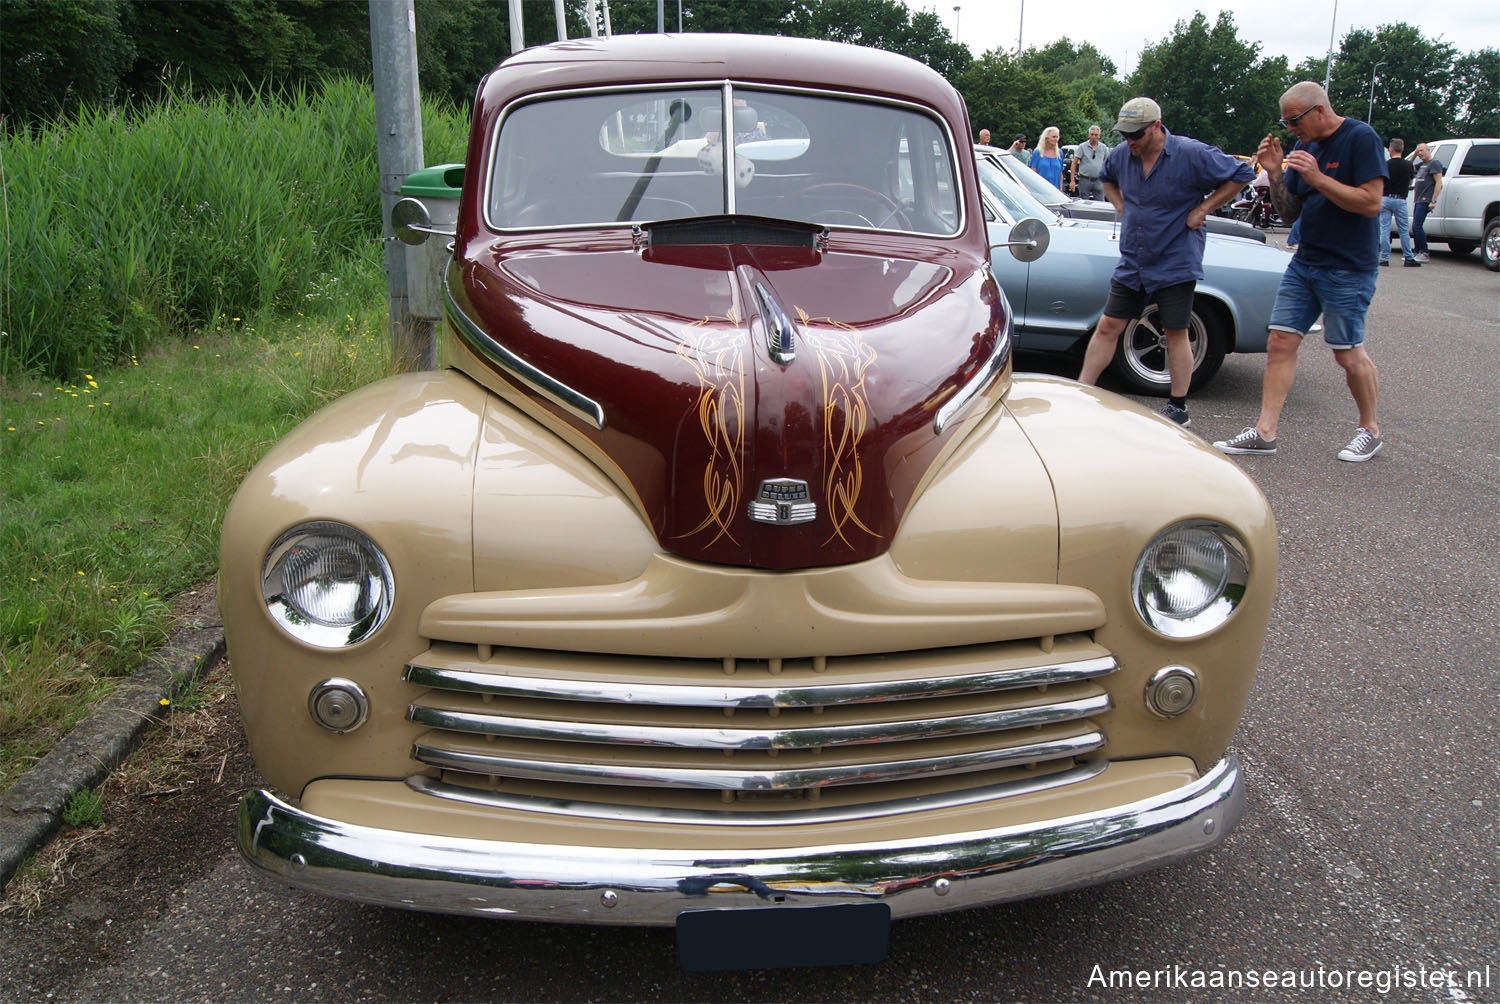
(1483, 160)
(1443, 154)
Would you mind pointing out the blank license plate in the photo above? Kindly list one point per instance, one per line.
(778, 937)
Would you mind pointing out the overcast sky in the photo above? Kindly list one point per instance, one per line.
(1296, 29)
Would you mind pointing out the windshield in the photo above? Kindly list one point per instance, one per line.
(1005, 192)
(1041, 189)
(637, 157)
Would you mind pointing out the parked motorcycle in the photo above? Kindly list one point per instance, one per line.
(1254, 206)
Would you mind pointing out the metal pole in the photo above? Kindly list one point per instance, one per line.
(1371, 110)
(956, 16)
(398, 143)
(1328, 67)
(562, 22)
(661, 16)
(592, 13)
(1020, 28)
(517, 31)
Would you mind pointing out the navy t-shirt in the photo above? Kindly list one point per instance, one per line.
(1333, 237)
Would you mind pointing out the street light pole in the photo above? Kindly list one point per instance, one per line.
(956, 16)
(1371, 109)
(1328, 66)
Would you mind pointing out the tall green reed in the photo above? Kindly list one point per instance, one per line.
(122, 228)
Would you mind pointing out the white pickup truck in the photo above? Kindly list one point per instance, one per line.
(1468, 206)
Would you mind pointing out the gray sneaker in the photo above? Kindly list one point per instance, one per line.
(1362, 447)
(1248, 441)
(1423, 257)
(1176, 414)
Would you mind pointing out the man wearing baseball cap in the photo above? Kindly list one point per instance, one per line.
(1018, 148)
(1163, 186)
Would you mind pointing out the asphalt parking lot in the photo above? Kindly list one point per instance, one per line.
(1368, 847)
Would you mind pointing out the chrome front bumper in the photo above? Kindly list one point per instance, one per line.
(611, 885)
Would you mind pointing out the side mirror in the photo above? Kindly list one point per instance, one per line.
(412, 223)
(1028, 239)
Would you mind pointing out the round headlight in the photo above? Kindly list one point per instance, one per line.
(1190, 578)
(327, 584)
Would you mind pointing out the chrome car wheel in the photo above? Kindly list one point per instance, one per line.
(1141, 357)
(1491, 246)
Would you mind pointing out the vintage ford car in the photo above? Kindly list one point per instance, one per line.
(726, 577)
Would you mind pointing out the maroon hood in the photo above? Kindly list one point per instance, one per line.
(674, 346)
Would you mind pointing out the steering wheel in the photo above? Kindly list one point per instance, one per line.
(893, 210)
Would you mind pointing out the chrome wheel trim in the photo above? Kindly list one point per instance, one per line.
(1143, 345)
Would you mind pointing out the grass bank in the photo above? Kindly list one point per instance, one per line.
(126, 228)
(181, 287)
(115, 489)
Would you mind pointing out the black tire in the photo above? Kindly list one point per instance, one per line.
(1141, 356)
(1489, 250)
(1462, 247)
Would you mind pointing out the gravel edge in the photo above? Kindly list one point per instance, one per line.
(31, 808)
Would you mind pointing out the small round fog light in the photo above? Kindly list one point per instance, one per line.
(1171, 691)
(338, 705)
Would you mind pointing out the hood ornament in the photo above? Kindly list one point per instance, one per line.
(783, 502)
(779, 330)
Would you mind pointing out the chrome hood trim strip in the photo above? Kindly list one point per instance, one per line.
(992, 368)
(573, 402)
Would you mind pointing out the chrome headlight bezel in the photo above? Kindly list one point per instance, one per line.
(1210, 584)
(356, 600)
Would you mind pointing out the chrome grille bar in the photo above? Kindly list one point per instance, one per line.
(756, 778)
(757, 738)
(752, 695)
(728, 816)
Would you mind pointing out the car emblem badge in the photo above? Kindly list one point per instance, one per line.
(783, 502)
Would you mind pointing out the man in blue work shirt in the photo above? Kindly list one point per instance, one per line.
(1163, 186)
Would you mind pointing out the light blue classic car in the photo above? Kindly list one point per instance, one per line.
(1059, 297)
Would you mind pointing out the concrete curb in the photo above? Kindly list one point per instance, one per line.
(31, 809)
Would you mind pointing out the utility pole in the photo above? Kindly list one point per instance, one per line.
(398, 142)
(1371, 110)
(1332, 27)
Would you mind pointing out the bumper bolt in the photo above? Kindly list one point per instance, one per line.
(942, 887)
(609, 899)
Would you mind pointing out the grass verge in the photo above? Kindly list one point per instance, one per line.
(116, 485)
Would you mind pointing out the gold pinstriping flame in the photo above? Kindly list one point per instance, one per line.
(843, 361)
(717, 356)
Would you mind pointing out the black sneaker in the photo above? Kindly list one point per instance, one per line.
(1409, 263)
(1385, 263)
(1248, 441)
(1176, 414)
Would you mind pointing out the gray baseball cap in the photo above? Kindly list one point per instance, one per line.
(1136, 114)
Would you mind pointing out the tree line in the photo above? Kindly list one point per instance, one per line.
(59, 56)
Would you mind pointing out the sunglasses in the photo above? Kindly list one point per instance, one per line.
(1288, 123)
(1137, 134)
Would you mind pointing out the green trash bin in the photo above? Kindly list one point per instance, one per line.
(437, 188)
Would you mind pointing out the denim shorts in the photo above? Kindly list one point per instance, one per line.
(1341, 295)
(1174, 302)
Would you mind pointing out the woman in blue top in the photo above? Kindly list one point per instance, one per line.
(1046, 159)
